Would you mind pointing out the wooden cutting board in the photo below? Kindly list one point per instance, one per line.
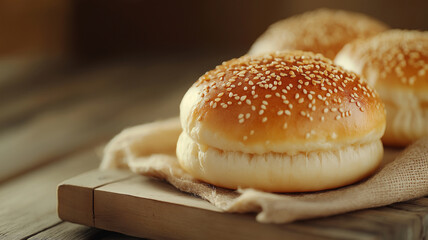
(135, 205)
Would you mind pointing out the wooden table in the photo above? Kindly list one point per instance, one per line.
(55, 119)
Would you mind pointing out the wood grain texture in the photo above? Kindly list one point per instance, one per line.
(75, 203)
(71, 231)
(45, 120)
(145, 207)
(153, 209)
(51, 112)
(28, 204)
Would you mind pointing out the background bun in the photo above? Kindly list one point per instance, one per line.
(396, 64)
(322, 31)
(257, 110)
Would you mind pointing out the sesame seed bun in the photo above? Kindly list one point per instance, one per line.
(257, 110)
(322, 31)
(396, 64)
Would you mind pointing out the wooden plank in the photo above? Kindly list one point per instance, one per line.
(75, 203)
(71, 231)
(145, 207)
(59, 90)
(153, 209)
(28, 203)
(68, 231)
(420, 208)
(49, 88)
(67, 129)
(150, 208)
(88, 116)
(397, 225)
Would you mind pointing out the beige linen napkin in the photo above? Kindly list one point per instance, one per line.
(149, 150)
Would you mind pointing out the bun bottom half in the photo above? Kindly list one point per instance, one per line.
(404, 125)
(406, 117)
(279, 172)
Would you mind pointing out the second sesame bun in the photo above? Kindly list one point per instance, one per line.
(396, 64)
(322, 31)
(294, 113)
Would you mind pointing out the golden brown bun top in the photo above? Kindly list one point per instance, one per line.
(322, 31)
(281, 102)
(395, 58)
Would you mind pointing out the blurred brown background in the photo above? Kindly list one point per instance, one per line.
(111, 28)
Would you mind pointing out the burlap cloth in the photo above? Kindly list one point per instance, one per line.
(149, 150)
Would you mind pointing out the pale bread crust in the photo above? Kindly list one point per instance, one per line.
(322, 31)
(407, 116)
(395, 63)
(279, 172)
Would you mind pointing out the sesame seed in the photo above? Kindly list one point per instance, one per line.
(241, 120)
(338, 117)
(280, 112)
(251, 132)
(247, 115)
(264, 119)
(245, 138)
(285, 125)
(287, 112)
(261, 112)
